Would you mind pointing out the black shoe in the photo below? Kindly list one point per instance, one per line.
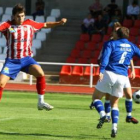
(91, 106)
(113, 133)
(132, 119)
(101, 122)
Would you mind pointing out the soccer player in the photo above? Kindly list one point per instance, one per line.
(19, 34)
(113, 76)
(127, 90)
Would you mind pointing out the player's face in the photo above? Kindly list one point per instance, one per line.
(19, 18)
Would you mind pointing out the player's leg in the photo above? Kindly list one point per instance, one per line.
(114, 114)
(10, 70)
(37, 71)
(102, 87)
(3, 80)
(107, 107)
(129, 105)
(97, 96)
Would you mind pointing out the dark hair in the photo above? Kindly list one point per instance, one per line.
(18, 9)
(113, 1)
(134, 2)
(123, 32)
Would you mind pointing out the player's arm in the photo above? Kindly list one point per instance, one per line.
(104, 59)
(3, 26)
(53, 24)
(132, 75)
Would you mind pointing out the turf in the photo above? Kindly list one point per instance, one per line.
(71, 119)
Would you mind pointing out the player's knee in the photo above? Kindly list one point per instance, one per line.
(97, 94)
(2, 84)
(40, 74)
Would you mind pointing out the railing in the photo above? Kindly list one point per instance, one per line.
(61, 64)
(71, 64)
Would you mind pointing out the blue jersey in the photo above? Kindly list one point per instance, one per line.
(116, 56)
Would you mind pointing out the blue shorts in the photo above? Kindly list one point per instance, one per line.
(13, 66)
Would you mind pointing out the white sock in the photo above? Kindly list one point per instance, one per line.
(40, 98)
(102, 114)
(114, 126)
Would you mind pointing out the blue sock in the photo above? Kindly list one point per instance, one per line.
(115, 115)
(128, 105)
(99, 107)
(107, 106)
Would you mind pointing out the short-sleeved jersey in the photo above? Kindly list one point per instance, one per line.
(19, 37)
(116, 56)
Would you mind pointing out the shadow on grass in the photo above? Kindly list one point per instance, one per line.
(72, 108)
(59, 136)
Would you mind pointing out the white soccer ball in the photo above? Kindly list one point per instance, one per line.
(136, 96)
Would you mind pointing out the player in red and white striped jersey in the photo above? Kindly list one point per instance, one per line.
(19, 35)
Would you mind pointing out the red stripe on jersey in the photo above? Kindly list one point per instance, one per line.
(11, 47)
(19, 39)
(25, 43)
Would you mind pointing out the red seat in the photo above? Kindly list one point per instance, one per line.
(100, 45)
(137, 73)
(134, 32)
(91, 46)
(83, 60)
(96, 53)
(132, 39)
(97, 70)
(96, 38)
(80, 45)
(75, 53)
(78, 70)
(138, 40)
(137, 23)
(109, 30)
(85, 37)
(127, 23)
(93, 61)
(137, 63)
(135, 58)
(86, 54)
(66, 70)
(71, 60)
(106, 38)
(87, 71)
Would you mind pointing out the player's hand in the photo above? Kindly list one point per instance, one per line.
(132, 75)
(101, 75)
(63, 21)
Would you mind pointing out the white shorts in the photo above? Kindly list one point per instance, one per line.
(127, 83)
(113, 84)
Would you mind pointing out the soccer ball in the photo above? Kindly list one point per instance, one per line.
(136, 96)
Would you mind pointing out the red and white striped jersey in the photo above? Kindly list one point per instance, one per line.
(19, 37)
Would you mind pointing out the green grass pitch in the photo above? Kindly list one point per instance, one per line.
(71, 119)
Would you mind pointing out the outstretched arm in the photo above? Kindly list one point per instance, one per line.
(53, 24)
(132, 75)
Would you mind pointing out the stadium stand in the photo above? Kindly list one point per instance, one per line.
(40, 19)
(8, 10)
(5, 17)
(1, 11)
(55, 13)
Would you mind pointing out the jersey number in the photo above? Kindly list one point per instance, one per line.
(123, 58)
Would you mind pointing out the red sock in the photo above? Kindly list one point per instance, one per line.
(1, 90)
(41, 85)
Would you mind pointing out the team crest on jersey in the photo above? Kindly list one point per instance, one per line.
(6, 70)
(12, 30)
